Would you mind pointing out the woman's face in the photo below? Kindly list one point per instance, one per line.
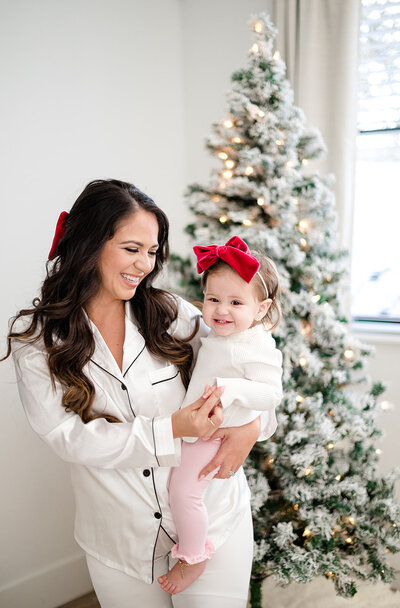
(128, 256)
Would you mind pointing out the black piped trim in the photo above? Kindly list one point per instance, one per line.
(159, 508)
(121, 384)
(154, 553)
(154, 441)
(169, 536)
(166, 379)
(106, 370)
(137, 356)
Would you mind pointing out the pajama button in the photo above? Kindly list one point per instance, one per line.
(157, 515)
(123, 387)
(146, 472)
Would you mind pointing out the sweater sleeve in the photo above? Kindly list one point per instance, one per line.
(143, 442)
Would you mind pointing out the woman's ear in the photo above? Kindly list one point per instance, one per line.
(263, 309)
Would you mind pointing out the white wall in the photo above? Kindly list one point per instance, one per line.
(90, 89)
(98, 88)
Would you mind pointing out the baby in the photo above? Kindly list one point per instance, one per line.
(241, 291)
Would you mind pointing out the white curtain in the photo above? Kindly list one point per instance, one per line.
(318, 40)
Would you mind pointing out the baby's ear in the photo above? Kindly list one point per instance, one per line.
(263, 308)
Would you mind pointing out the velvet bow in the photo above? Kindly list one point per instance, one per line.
(59, 233)
(235, 252)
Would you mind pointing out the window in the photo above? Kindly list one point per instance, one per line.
(376, 237)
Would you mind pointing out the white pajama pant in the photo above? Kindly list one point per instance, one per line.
(223, 584)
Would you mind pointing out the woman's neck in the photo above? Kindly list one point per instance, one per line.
(100, 311)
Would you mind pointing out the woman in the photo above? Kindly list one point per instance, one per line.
(102, 361)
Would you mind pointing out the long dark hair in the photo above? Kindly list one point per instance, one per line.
(73, 278)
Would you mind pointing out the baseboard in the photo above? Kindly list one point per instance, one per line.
(49, 588)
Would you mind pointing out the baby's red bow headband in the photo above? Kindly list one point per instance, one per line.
(235, 252)
(60, 230)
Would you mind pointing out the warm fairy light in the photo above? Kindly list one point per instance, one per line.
(338, 477)
(331, 412)
(222, 155)
(328, 278)
(236, 140)
(227, 174)
(307, 532)
(258, 27)
(279, 142)
(222, 185)
(330, 445)
(378, 451)
(261, 113)
(296, 507)
(305, 328)
(290, 164)
(316, 298)
(269, 461)
(216, 198)
(302, 361)
(303, 225)
(249, 170)
(303, 243)
(330, 574)
(349, 540)
(247, 222)
(351, 520)
(349, 354)
(223, 219)
(299, 398)
(305, 161)
(276, 56)
(386, 405)
(296, 201)
(308, 471)
(228, 124)
(255, 48)
(230, 164)
(260, 201)
(394, 525)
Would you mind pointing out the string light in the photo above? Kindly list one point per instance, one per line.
(302, 361)
(223, 219)
(222, 155)
(255, 48)
(296, 507)
(276, 56)
(330, 445)
(305, 328)
(349, 540)
(228, 124)
(378, 451)
(296, 201)
(260, 201)
(258, 27)
(230, 164)
(227, 174)
(299, 398)
(261, 113)
(351, 520)
(386, 405)
(305, 161)
(330, 574)
(269, 461)
(331, 412)
(216, 198)
(222, 186)
(349, 354)
(338, 477)
(328, 278)
(247, 222)
(236, 140)
(308, 471)
(316, 298)
(290, 164)
(303, 225)
(307, 532)
(249, 170)
(279, 142)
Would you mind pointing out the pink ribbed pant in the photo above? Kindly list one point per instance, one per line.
(186, 501)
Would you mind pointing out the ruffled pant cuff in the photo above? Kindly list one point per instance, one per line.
(193, 559)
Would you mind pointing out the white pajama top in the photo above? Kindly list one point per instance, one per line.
(120, 471)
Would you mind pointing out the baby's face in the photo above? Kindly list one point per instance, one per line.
(230, 304)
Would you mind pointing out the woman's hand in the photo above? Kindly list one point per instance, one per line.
(201, 418)
(236, 443)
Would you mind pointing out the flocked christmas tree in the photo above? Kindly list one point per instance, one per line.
(320, 507)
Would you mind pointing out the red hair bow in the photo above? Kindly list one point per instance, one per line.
(60, 230)
(235, 252)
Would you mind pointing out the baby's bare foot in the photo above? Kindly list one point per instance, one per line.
(181, 576)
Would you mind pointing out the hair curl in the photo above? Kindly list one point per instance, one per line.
(73, 279)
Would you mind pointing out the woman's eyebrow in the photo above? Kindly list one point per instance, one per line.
(137, 243)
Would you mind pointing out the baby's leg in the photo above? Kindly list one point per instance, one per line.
(190, 515)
